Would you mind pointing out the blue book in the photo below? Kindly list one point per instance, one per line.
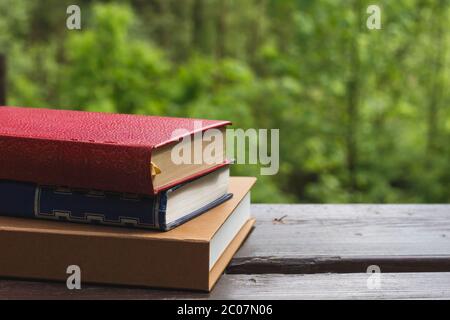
(165, 211)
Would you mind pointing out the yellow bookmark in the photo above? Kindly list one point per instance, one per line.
(155, 169)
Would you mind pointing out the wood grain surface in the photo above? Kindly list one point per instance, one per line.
(421, 285)
(346, 238)
(312, 252)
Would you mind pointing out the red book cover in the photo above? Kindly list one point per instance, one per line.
(88, 149)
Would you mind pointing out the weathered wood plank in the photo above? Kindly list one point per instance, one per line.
(346, 238)
(271, 286)
(277, 258)
(334, 286)
(307, 265)
(30, 290)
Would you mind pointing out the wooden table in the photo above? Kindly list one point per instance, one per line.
(314, 252)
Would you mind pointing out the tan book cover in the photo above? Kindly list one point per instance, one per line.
(181, 258)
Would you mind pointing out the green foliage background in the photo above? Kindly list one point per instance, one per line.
(363, 114)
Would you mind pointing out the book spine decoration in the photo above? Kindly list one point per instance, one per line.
(83, 206)
(95, 207)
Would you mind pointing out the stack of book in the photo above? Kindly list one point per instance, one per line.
(144, 217)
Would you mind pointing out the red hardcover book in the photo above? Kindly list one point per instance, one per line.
(115, 152)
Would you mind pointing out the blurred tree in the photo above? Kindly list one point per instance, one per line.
(363, 114)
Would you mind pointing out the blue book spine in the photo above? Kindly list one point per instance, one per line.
(28, 200)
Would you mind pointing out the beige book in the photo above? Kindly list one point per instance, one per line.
(191, 256)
